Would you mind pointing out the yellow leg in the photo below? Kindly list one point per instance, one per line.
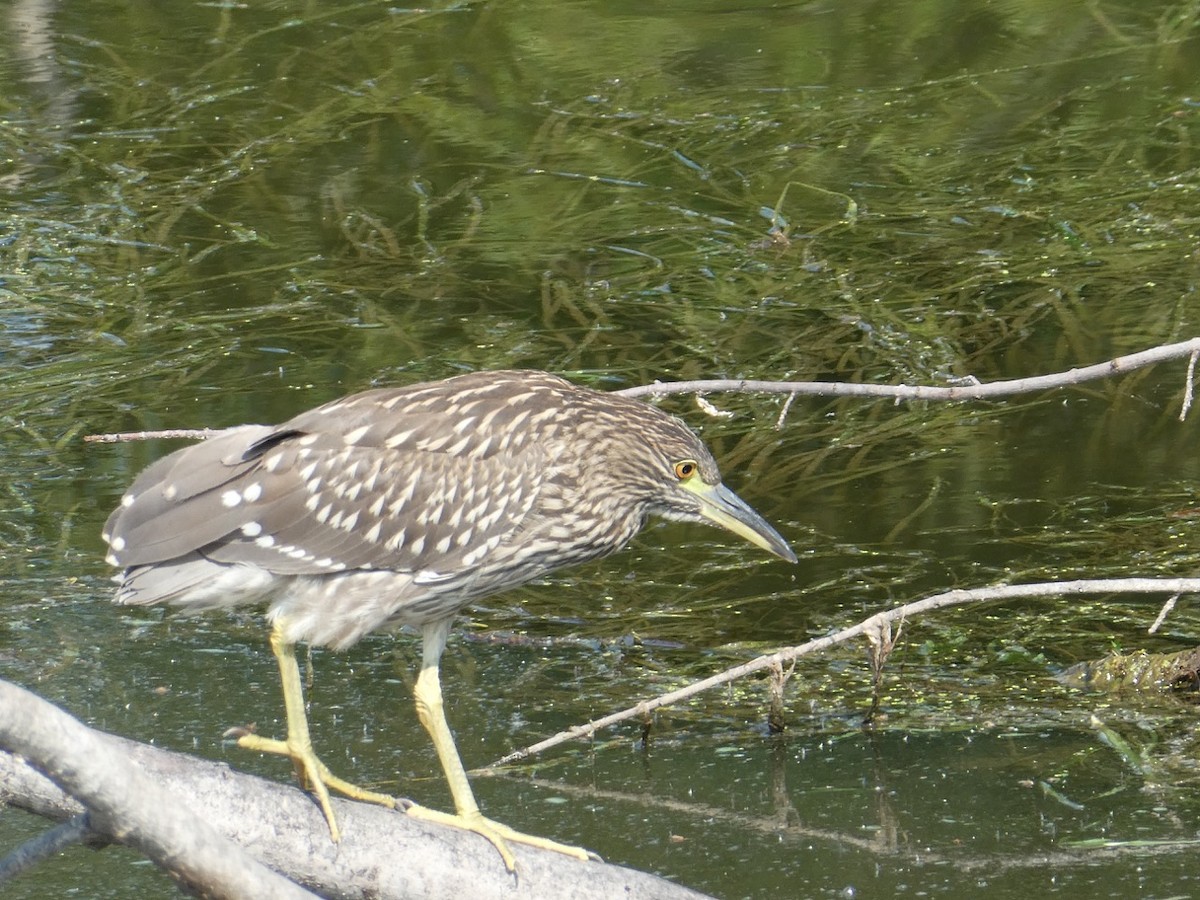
(313, 774)
(428, 693)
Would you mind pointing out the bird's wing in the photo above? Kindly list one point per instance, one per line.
(301, 500)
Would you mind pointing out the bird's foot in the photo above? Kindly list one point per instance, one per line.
(499, 835)
(315, 777)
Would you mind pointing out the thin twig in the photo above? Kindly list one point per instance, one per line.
(938, 601)
(787, 405)
(1163, 613)
(1189, 386)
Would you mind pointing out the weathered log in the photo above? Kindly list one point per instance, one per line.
(213, 828)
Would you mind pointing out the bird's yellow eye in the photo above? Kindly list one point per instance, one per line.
(685, 469)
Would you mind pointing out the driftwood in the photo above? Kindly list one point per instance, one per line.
(223, 833)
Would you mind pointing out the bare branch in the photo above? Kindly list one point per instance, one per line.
(875, 624)
(968, 391)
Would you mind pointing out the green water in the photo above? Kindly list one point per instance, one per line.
(219, 213)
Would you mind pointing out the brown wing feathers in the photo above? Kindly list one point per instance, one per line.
(361, 489)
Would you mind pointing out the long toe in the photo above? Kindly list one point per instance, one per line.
(498, 834)
(315, 777)
(308, 767)
(354, 792)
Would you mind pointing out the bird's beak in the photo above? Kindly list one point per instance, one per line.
(723, 507)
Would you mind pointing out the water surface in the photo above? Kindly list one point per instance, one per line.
(218, 214)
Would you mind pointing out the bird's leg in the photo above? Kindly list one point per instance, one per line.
(428, 693)
(314, 775)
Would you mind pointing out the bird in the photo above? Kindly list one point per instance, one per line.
(399, 506)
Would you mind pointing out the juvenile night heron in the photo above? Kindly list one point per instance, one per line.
(400, 506)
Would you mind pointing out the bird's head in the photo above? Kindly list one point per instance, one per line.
(678, 479)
